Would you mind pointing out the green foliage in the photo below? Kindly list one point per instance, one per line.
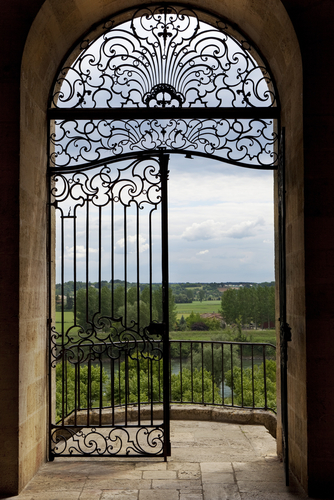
(139, 379)
(193, 318)
(145, 382)
(200, 325)
(197, 389)
(259, 393)
(69, 302)
(249, 305)
(69, 384)
(216, 360)
(182, 324)
(99, 304)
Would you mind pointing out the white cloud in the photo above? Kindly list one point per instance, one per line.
(80, 252)
(202, 252)
(206, 230)
(245, 229)
(132, 243)
(248, 257)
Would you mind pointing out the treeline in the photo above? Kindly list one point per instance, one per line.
(249, 305)
(132, 305)
(67, 288)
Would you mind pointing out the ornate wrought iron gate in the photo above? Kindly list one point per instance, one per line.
(112, 361)
(160, 80)
(285, 330)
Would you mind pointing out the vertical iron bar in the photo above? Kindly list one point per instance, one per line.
(253, 376)
(264, 377)
(119, 381)
(126, 382)
(192, 373)
(242, 376)
(181, 371)
(150, 263)
(151, 385)
(202, 372)
(125, 271)
(87, 258)
(232, 375)
(51, 284)
(79, 388)
(213, 371)
(66, 387)
(75, 392)
(138, 273)
(112, 258)
(101, 390)
(100, 260)
(163, 160)
(89, 375)
(75, 265)
(170, 380)
(62, 278)
(138, 385)
(112, 389)
(223, 376)
(159, 377)
(63, 388)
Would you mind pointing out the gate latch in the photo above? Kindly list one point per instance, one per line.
(156, 329)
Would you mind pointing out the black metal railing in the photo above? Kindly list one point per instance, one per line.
(225, 374)
(231, 374)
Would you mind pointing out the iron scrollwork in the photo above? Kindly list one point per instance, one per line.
(164, 69)
(77, 143)
(118, 441)
(165, 57)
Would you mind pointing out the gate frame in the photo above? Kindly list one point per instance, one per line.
(241, 113)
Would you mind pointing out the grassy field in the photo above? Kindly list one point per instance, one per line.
(268, 336)
(68, 320)
(207, 306)
(262, 336)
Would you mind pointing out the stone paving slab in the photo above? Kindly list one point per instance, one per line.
(210, 461)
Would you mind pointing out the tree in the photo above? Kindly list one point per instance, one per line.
(229, 307)
(216, 359)
(86, 310)
(157, 305)
(69, 396)
(201, 294)
(193, 318)
(69, 302)
(195, 386)
(182, 324)
(131, 295)
(255, 304)
(243, 393)
(199, 326)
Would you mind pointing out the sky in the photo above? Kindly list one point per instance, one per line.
(221, 224)
(220, 228)
(220, 216)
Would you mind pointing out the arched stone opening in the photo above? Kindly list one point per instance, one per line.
(55, 29)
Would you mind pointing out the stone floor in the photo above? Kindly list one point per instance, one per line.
(210, 461)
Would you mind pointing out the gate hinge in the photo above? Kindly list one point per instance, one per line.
(285, 331)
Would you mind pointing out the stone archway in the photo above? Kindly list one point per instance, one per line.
(55, 29)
